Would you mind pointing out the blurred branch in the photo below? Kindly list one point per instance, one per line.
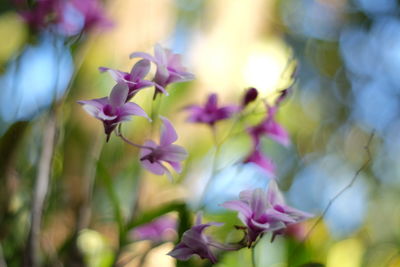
(40, 191)
(344, 189)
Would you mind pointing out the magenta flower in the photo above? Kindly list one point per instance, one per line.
(135, 79)
(169, 67)
(113, 109)
(153, 156)
(69, 16)
(265, 163)
(256, 213)
(194, 241)
(264, 211)
(157, 230)
(210, 113)
(277, 202)
(270, 128)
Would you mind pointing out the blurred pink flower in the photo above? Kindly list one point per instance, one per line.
(210, 113)
(169, 67)
(264, 211)
(113, 109)
(69, 16)
(194, 241)
(135, 79)
(160, 229)
(152, 156)
(262, 161)
(270, 128)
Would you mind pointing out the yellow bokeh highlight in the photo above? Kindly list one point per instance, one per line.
(14, 29)
(266, 66)
(346, 253)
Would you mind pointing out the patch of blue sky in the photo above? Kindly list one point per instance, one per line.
(33, 81)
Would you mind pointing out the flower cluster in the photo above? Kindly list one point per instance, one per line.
(268, 127)
(69, 17)
(262, 212)
(117, 108)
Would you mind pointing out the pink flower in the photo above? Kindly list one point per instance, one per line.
(169, 67)
(157, 230)
(265, 163)
(210, 113)
(69, 16)
(153, 156)
(264, 211)
(270, 128)
(113, 109)
(194, 241)
(135, 79)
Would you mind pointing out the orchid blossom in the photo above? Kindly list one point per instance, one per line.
(153, 156)
(113, 109)
(210, 113)
(169, 68)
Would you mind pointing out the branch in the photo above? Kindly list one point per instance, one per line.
(344, 189)
(40, 191)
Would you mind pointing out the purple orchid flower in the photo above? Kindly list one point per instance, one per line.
(210, 113)
(264, 211)
(64, 14)
(277, 202)
(152, 156)
(270, 128)
(135, 79)
(194, 241)
(169, 68)
(113, 109)
(256, 213)
(157, 230)
(262, 161)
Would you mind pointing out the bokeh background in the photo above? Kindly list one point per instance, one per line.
(347, 89)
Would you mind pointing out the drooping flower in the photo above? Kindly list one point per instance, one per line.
(153, 156)
(194, 241)
(262, 161)
(169, 67)
(270, 128)
(160, 229)
(113, 109)
(135, 79)
(264, 211)
(210, 113)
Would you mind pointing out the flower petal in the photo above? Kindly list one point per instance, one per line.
(143, 55)
(239, 206)
(118, 95)
(168, 133)
(133, 109)
(140, 69)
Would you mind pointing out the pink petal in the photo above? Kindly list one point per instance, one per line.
(140, 69)
(144, 56)
(154, 167)
(117, 75)
(160, 55)
(274, 196)
(239, 206)
(174, 153)
(168, 133)
(118, 95)
(133, 109)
